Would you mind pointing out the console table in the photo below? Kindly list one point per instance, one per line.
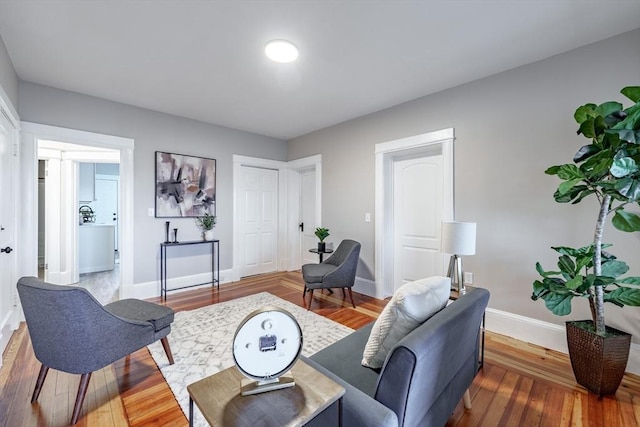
(215, 264)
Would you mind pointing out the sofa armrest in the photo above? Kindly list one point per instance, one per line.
(358, 409)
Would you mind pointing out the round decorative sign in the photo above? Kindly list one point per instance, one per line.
(266, 345)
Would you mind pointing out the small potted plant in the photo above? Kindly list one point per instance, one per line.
(607, 169)
(321, 234)
(206, 224)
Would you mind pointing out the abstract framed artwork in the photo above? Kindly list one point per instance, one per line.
(185, 186)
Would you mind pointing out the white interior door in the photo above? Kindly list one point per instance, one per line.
(417, 202)
(308, 218)
(8, 269)
(106, 205)
(258, 213)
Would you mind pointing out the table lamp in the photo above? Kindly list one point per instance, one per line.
(458, 238)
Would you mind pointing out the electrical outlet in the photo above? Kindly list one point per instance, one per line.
(367, 217)
(468, 278)
(150, 212)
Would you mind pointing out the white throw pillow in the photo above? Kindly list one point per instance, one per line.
(411, 305)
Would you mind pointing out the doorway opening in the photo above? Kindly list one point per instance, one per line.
(78, 196)
(288, 255)
(76, 241)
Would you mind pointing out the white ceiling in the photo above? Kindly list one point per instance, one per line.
(204, 59)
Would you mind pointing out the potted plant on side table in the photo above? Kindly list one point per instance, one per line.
(206, 224)
(608, 169)
(321, 234)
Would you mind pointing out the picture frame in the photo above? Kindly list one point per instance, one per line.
(185, 185)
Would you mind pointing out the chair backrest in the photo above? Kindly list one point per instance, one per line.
(346, 259)
(66, 324)
(426, 374)
(347, 250)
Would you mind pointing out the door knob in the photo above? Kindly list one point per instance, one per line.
(6, 250)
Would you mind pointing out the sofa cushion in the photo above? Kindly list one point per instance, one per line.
(343, 359)
(143, 311)
(411, 305)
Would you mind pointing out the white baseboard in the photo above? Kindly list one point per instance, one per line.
(5, 332)
(544, 334)
(152, 289)
(365, 286)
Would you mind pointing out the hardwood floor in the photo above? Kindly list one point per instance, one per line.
(520, 384)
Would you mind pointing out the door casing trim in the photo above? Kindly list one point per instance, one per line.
(385, 155)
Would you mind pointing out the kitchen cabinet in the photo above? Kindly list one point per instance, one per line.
(87, 182)
(96, 251)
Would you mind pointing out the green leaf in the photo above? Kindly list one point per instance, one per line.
(623, 167)
(584, 112)
(632, 92)
(629, 188)
(545, 273)
(578, 192)
(582, 195)
(587, 128)
(566, 186)
(631, 117)
(630, 281)
(626, 221)
(608, 108)
(597, 165)
(566, 266)
(629, 135)
(538, 290)
(574, 283)
(625, 296)
(569, 171)
(614, 268)
(583, 251)
(553, 170)
(585, 152)
(558, 304)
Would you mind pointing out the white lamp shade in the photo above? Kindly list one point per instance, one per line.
(459, 238)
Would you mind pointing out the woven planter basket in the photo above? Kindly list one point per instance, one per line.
(598, 362)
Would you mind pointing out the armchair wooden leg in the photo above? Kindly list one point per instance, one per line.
(167, 349)
(344, 295)
(467, 399)
(82, 392)
(351, 296)
(39, 382)
(310, 299)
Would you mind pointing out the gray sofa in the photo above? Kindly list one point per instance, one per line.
(424, 377)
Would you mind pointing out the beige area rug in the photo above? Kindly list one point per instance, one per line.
(201, 341)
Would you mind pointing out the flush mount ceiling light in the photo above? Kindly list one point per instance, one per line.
(281, 51)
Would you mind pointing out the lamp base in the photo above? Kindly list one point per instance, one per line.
(456, 274)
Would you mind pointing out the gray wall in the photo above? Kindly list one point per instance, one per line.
(509, 128)
(8, 76)
(154, 131)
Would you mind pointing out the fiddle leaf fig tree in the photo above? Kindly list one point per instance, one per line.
(608, 169)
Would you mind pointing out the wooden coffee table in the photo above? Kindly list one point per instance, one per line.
(218, 398)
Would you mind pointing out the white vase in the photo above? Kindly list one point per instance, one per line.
(207, 235)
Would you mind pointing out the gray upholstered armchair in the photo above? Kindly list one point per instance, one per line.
(72, 332)
(337, 271)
